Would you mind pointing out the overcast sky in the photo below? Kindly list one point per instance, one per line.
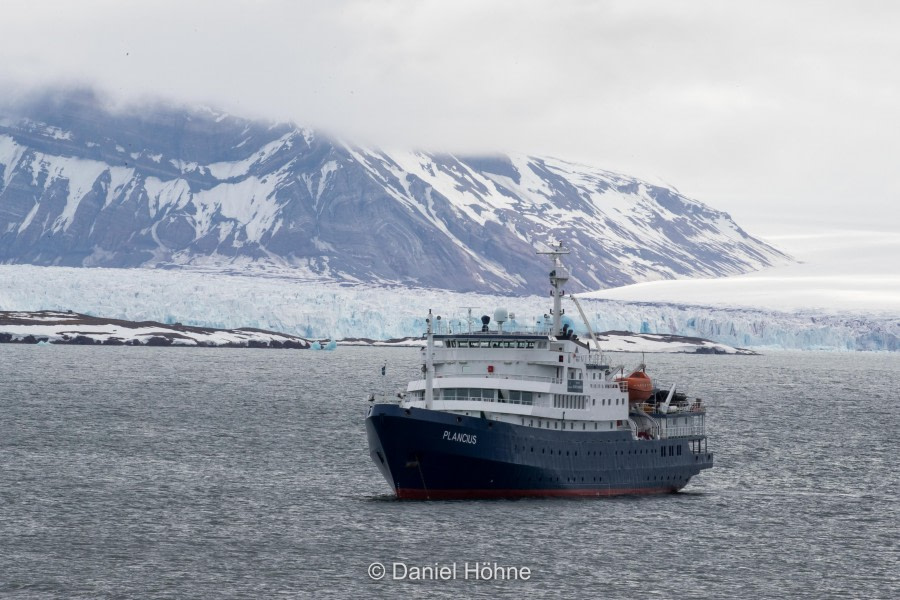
(785, 114)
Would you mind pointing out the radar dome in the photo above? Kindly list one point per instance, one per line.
(501, 315)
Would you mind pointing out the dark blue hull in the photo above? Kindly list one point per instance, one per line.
(432, 454)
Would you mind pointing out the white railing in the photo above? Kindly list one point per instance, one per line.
(589, 359)
(674, 409)
(622, 386)
(682, 431)
(483, 399)
(502, 376)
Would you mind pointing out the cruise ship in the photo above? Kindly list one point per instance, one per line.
(505, 414)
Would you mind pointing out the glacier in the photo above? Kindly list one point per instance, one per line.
(314, 308)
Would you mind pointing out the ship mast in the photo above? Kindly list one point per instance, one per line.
(558, 277)
(429, 362)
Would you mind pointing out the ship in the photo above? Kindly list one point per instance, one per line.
(500, 413)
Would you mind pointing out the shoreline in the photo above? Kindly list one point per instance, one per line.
(76, 329)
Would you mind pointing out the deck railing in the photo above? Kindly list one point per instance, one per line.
(512, 376)
(682, 431)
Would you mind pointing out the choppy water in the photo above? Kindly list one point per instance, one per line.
(205, 473)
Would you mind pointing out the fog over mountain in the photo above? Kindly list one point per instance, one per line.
(86, 185)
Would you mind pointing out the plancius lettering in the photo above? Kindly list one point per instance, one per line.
(465, 438)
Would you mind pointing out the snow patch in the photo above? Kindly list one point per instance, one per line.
(10, 155)
(231, 170)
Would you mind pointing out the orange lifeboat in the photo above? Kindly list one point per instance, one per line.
(640, 386)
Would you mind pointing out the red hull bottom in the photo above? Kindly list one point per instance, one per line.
(419, 494)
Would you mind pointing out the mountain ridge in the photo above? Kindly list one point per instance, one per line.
(167, 187)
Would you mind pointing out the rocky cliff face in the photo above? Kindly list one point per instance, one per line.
(81, 185)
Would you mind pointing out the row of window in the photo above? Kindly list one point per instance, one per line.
(568, 401)
(487, 395)
(645, 451)
(580, 402)
(556, 424)
(495, 344)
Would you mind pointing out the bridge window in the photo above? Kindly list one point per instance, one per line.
(476, 394)
(519, 397)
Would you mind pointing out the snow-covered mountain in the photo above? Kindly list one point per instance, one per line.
(82, 185)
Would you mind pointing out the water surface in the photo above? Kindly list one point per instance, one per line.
(239, 473)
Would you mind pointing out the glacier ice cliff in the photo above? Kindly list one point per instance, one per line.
(316, 309)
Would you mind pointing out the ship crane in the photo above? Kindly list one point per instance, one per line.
(588, 325)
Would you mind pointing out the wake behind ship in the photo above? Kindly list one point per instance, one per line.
(503, 414)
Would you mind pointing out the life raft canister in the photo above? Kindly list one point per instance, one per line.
(640, 386)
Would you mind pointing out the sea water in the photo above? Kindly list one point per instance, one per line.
(232, 473)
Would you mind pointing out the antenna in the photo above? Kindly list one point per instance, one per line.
(469, 318)
(558, 276)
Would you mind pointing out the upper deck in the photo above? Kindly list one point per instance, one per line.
(544, 379)
(519, 373)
